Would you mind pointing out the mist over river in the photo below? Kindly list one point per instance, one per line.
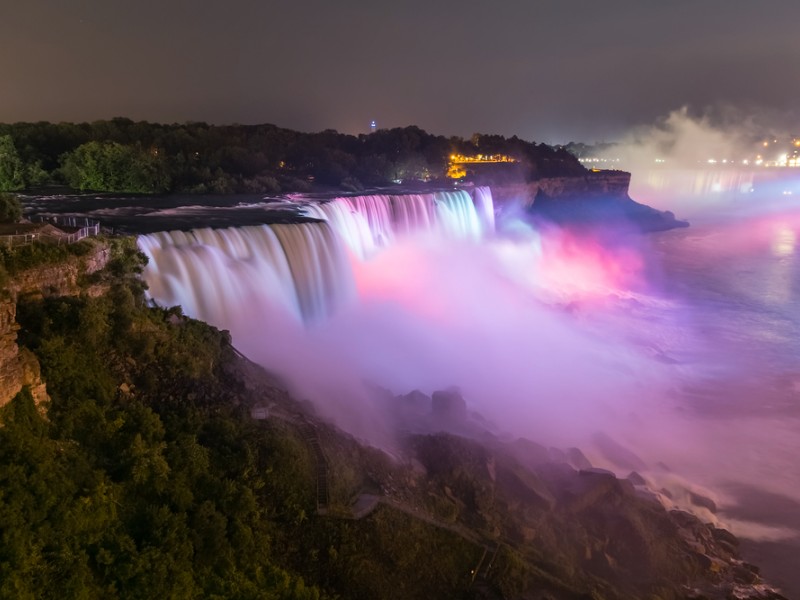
(683, 346)
(738, 284)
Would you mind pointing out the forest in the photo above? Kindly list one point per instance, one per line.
(121, 155)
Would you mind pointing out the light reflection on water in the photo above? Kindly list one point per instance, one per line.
(784, 241)
(739, 283)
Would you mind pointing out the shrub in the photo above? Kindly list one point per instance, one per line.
(10, 208)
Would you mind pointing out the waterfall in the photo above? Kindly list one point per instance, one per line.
(457, 216)
(219, 274)
(368, 223)
(300, 269)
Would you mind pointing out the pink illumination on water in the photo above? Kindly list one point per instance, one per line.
(551, 335)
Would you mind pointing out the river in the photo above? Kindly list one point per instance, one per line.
(738, 284)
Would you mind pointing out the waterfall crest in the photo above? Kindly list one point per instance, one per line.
(369, 223)
(302, 269)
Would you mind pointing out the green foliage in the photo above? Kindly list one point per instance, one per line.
(21, 258)
(10, 208)
(126, 156)
(54, 510)
(111, 166)
(143, 495)
(12, 169)
(391, 555)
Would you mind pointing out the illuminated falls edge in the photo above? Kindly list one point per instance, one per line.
(303, 270)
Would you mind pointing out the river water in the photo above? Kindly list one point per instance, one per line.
(735, 274)
(726, 320)
(738, 284)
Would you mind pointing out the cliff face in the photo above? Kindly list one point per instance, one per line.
(17, 368)
(606, 184)
(20, 368)
(597, 199)
(62, 279)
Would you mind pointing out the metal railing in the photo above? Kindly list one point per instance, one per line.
(85, 228)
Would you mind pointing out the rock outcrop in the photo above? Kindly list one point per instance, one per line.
(61, 279)
(17, 368)
(20, 368)
(608, 184)
(598, 198)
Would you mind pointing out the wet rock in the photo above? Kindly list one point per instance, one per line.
(588, 487)
(557, 455)
(723, 536)
(636, 479)
(702, 501)
(577, 459)
(449, 406)
(617, 453)
(597, 473)
(530, 453)
(745, 574)
(416, 402)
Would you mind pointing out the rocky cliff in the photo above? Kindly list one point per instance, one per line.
(65, 278)
(17, 368)
(598, 198)
(606, 184)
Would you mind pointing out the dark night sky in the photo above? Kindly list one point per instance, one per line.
(551, 70)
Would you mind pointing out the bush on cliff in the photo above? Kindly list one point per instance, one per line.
(122, 493)
(10, 208)
(21, 258)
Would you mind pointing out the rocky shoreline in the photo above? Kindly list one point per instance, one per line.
(564, 528)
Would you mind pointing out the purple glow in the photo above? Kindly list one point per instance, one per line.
(549, 336)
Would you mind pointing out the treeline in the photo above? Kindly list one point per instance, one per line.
(122, 155)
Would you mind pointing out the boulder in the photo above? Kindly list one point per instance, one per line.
(449, 406)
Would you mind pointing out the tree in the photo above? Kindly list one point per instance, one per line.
(10, 208)
(114, 167)
(12, 169)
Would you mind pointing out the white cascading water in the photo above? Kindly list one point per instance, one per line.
(299, 269)
(216, 274)
(368, 223)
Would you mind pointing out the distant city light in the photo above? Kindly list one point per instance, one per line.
(780, 152)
